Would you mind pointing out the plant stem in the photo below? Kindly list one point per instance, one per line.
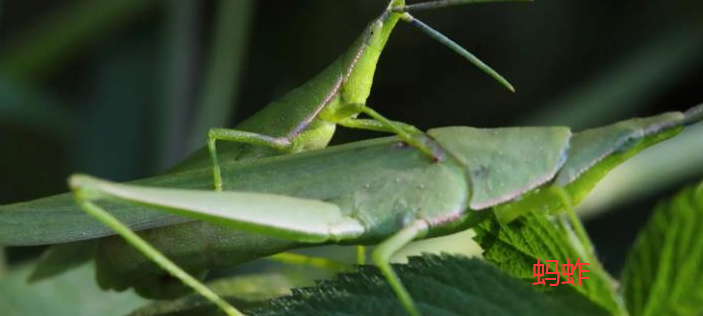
(220, 86)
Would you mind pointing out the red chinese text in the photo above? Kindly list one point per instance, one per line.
(548, 272)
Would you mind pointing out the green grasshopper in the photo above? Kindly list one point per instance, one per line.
(306, 117)
(394, 194)
(391, 195)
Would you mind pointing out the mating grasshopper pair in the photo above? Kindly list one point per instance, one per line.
(383, 191)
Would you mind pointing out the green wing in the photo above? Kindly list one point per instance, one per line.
(504, 163)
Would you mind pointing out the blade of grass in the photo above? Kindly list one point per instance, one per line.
(640, 77)
(220, 87)
(3, 264)
(180, 52)
(36, 51)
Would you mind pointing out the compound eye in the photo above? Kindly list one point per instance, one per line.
(374, 32)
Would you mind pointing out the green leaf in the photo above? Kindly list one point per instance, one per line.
(440, 285)
(515, 248)
(241, 291)
(625, 87)
(71, 294)
(665, 265)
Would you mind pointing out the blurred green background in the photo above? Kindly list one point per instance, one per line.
(124, 89)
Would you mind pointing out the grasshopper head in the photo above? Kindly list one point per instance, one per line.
(359, 62)
(378, 31)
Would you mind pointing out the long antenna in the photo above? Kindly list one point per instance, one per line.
(405, 16)
(443, 3)
(457, 48)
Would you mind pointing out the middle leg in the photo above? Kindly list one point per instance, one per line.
(382, 256)
(215, 134)
(408, 133)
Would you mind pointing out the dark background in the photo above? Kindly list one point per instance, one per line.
(118, 88)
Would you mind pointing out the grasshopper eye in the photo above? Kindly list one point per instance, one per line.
(373, 35)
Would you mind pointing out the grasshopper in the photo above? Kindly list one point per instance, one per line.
(392, 194)
(306, 117)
